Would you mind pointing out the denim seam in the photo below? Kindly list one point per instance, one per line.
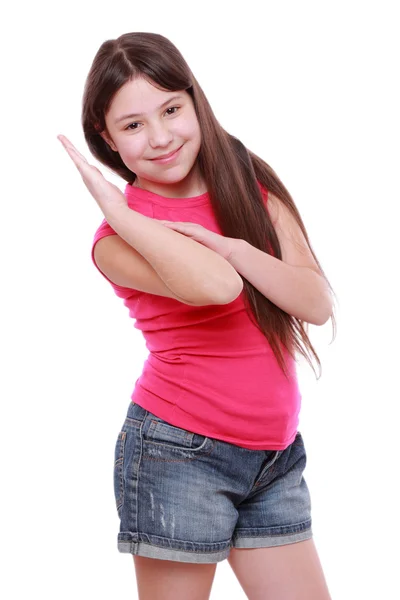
(268, 467)
(188, 436)
(305, 525)
(200, 454)
(138, 470)
(134, 422)
(175, 544)
(119, 465)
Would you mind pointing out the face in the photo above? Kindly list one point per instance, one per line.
(145, 123)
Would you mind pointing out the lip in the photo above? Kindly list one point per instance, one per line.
(168, 157)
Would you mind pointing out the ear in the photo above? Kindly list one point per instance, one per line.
(108, 140)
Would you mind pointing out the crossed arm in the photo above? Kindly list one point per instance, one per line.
(191, 270)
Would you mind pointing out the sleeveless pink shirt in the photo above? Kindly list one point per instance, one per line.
(209, 369)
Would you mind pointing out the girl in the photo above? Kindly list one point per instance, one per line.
(210, 255)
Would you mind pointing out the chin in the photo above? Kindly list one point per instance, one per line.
(173, 175)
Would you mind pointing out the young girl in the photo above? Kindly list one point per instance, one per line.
(210, 255)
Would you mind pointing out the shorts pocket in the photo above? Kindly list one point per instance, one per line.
(119, 469)
(159, 434)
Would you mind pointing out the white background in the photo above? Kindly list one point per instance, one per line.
(312, 87)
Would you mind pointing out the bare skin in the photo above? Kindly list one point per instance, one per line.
(171, 580)
(289, 572)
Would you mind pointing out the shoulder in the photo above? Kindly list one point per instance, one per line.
(276, 208)
(274, 204)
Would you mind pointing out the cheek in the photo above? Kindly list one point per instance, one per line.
(130, 151)
(194, 130)
(196, 139)
(191, 133)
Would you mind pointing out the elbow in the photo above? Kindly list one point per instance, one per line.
(320, 321)
(323, 314)
(231, 291)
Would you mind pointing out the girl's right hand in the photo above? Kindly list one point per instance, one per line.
(107, 195)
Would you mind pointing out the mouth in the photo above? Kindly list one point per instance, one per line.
(167, 157)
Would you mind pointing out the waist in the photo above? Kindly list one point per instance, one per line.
(244, 399)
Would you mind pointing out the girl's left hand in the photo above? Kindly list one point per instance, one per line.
(219, 243)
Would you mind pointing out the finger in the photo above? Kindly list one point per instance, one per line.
(86, 170)
(76, 156)
(69, 146)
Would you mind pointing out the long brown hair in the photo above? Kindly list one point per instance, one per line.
(229, 169)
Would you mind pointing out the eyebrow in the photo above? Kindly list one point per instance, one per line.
(135, 115)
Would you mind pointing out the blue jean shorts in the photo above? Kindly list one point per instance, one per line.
(185, 497)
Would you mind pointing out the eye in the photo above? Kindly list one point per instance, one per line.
(129, 126)
(171, 108)
(135, 128)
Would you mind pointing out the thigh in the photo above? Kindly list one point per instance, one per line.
(171, 580)
(289, 572)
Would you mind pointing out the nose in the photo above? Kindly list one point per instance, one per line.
(159, 135)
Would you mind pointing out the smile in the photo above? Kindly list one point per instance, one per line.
(168, 158)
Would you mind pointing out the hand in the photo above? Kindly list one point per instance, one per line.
(220, 244)
(107, 195)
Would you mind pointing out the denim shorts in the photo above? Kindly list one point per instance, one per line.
(185, 497)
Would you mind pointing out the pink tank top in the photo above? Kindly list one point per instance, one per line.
(209, 369)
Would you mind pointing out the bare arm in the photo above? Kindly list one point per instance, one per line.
(190, 270)
(295, 283)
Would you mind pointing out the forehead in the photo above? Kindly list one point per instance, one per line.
(141, 97)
